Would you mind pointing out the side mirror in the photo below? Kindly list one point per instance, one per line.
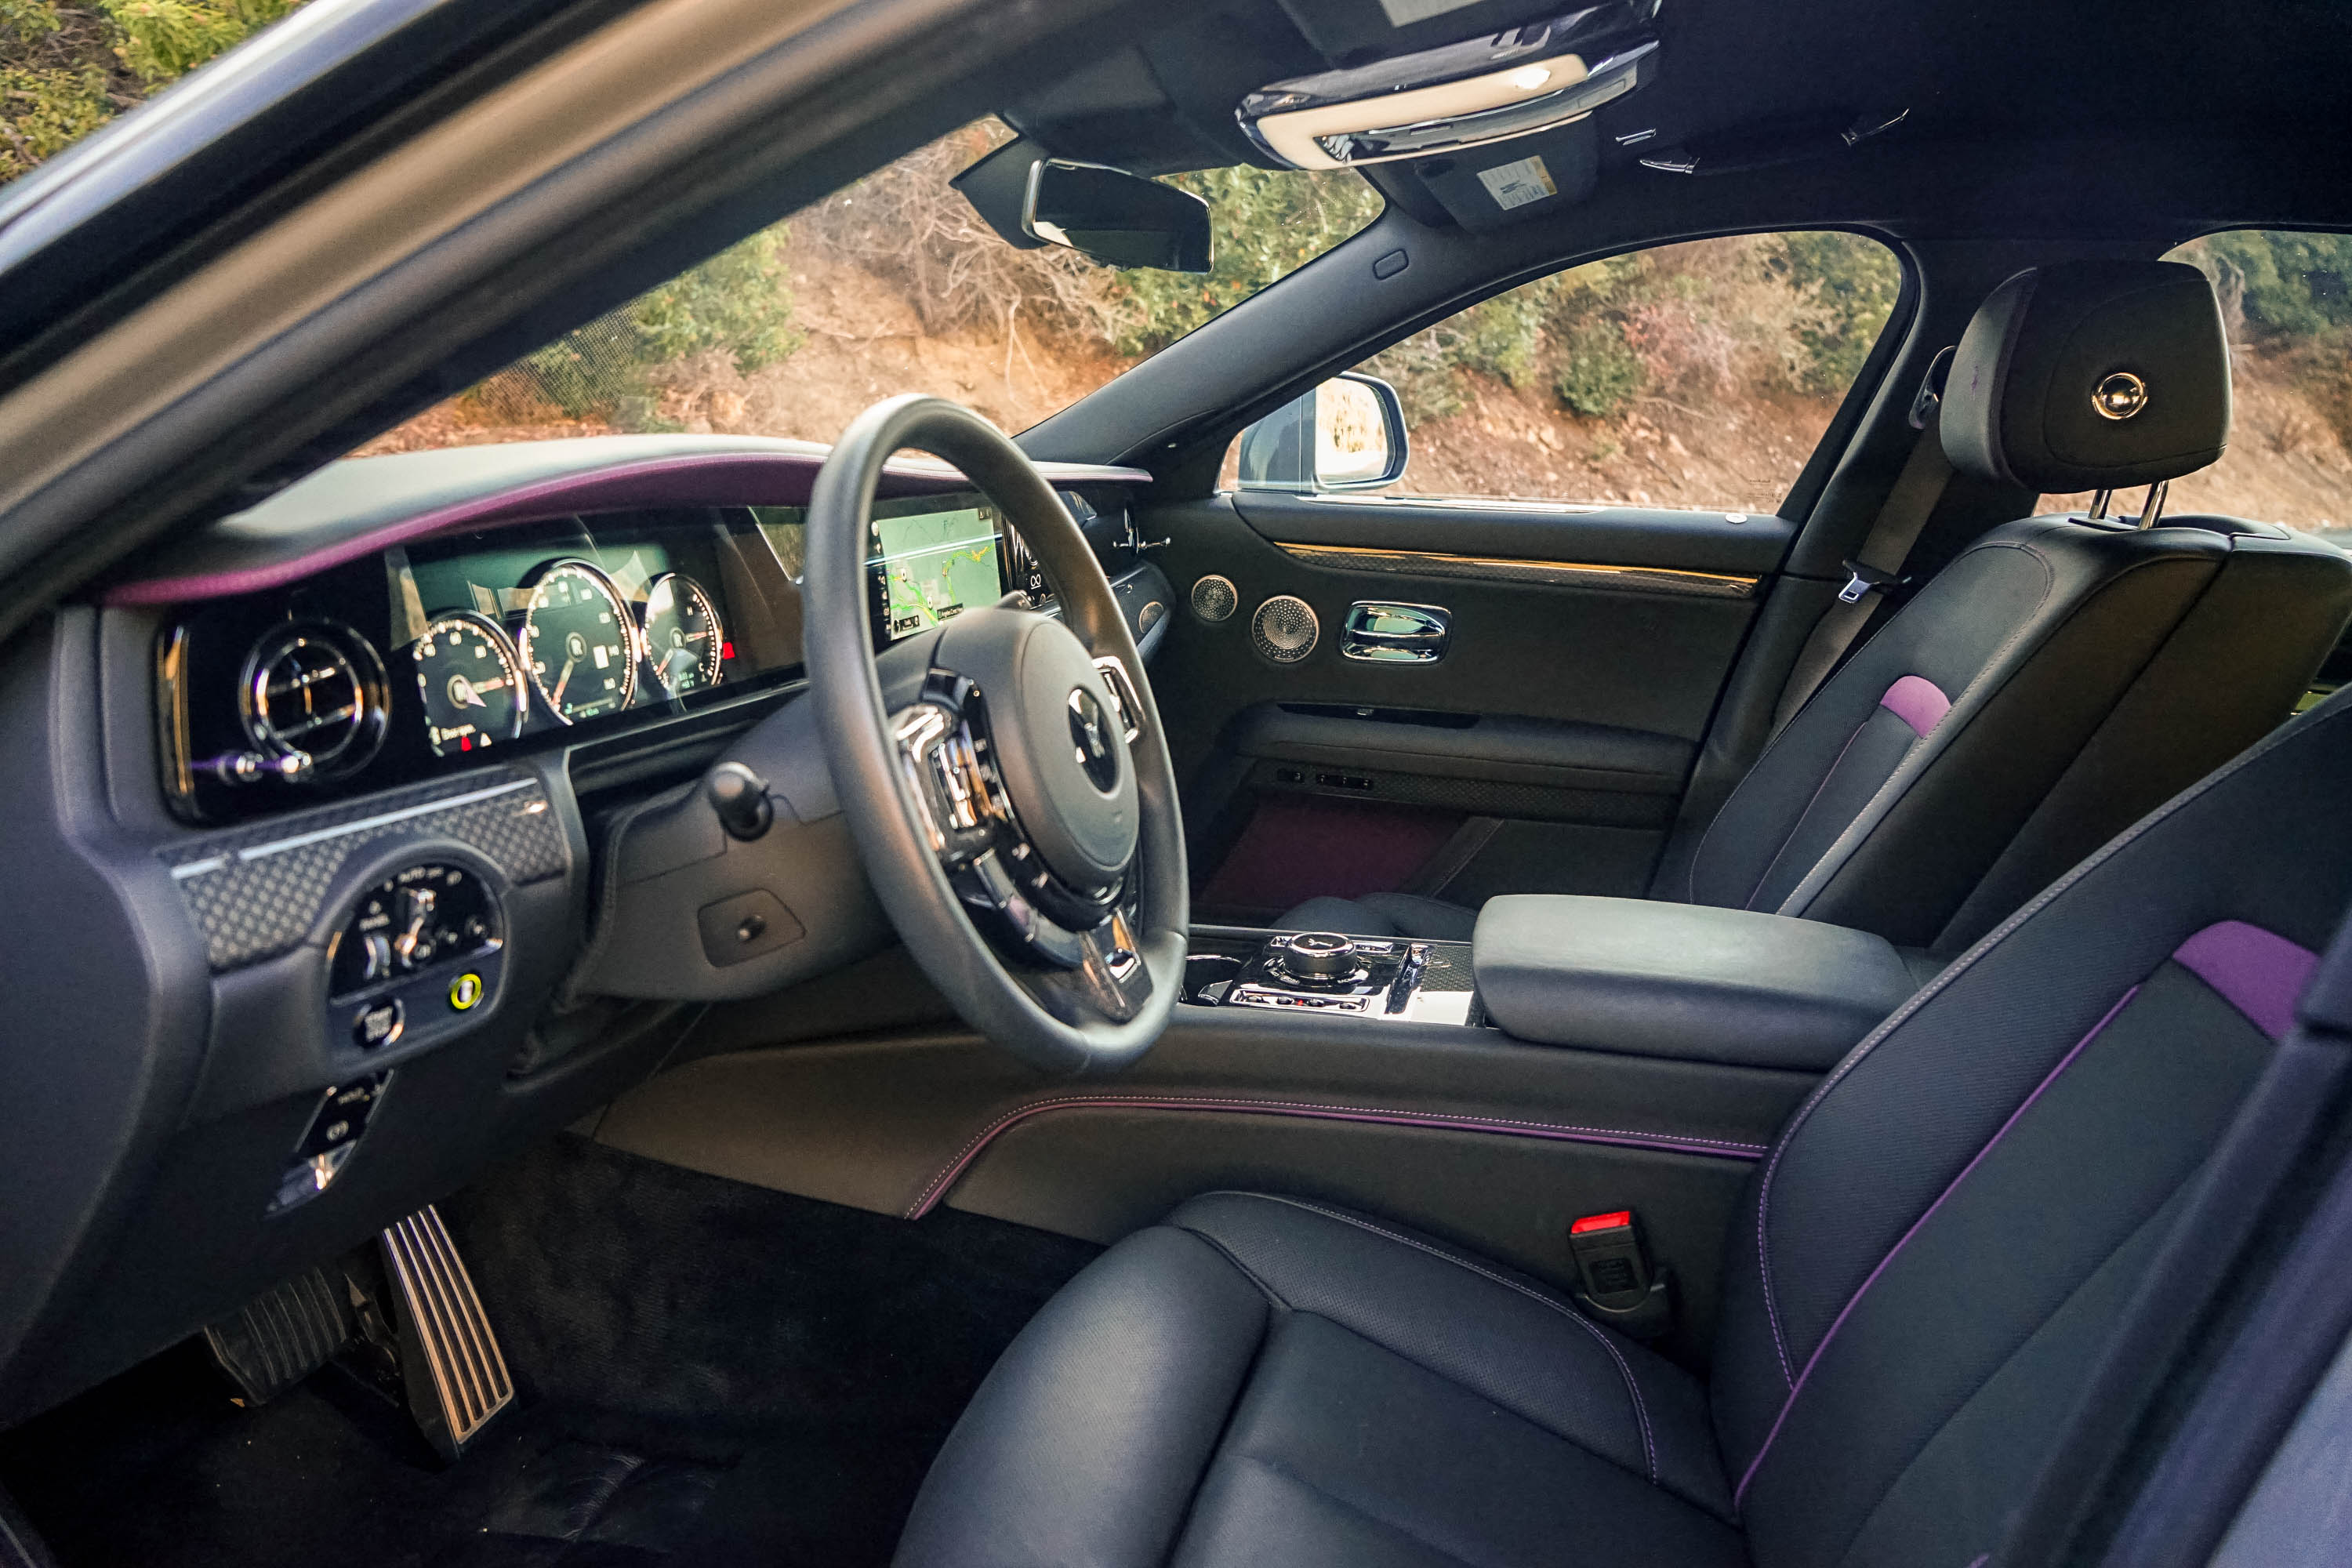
(1105, 214)
(1347, 434)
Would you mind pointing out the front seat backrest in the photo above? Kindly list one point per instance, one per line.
(2062, 677)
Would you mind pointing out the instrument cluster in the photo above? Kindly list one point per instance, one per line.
(433, 654)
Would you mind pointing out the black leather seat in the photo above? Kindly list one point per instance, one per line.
(2057, 680)
(1924, 1270)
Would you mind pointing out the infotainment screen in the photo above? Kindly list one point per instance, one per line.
(933, 563)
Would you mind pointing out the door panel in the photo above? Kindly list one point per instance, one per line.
(1547, 749)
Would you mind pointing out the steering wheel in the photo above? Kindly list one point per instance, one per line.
(1004, 774)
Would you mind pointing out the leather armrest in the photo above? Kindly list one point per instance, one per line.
(1683, 980)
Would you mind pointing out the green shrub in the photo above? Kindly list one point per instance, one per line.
(2288, 285)
(67, 69)
(1600, 374)
(737, 301)
(1854, 283)
(1267, 224)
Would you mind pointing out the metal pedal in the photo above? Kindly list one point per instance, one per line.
(454, 1373)
(278, 1339)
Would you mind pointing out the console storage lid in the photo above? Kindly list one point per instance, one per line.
(1683, 980)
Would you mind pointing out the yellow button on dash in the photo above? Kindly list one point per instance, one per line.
(465, 991)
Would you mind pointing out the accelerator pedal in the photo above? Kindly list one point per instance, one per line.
(281, 1338)
(454, 1373)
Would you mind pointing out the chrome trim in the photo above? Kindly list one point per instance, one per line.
(1124, 702)
(1425, 643)
(1548, 574)
(468, 1371)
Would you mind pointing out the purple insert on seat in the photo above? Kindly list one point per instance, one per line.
(1917, 701)
(2259, 974)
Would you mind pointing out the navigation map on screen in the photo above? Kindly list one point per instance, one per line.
(935, 565)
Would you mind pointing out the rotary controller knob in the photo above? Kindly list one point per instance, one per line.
(1320, 955)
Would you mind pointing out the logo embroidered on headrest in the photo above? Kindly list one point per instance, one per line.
(2120, 395)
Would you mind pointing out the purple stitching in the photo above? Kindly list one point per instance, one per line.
(1872, 1279)
(1633, 1389)
(1670, 1143)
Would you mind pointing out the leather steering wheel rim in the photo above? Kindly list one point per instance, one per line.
(1027, 1009)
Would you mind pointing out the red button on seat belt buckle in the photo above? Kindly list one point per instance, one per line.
(1619, 1286)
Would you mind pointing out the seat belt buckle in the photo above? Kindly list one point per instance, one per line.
(1862, 581)
(1616, 1282)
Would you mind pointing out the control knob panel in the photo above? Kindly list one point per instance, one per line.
(419, 953)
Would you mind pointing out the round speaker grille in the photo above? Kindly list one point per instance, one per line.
(1284, 629)
(1215, 598)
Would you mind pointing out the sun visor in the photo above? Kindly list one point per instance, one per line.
(1511, 182)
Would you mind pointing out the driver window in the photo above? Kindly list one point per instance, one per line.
(1698, 375)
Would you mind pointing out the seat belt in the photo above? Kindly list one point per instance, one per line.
(1878, 566)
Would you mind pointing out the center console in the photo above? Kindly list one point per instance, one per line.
(1330, 973)
(1628, 975)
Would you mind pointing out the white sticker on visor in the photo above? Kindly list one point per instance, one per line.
(1516, 184)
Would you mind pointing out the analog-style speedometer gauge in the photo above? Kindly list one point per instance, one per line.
(579, 643)
(684, 641)
(472, 682)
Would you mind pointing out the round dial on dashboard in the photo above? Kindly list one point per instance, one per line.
(315, 689)
(472, 683)
(579, 643)
(684, 641)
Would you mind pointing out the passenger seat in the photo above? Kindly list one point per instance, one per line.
(2058, 680)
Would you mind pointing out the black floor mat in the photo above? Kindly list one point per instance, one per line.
(709, 1373)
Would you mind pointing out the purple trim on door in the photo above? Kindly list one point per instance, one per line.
(1235, 1105)
(2260, 973)
(1917, 701)
(1872, 1279)
(693, 479)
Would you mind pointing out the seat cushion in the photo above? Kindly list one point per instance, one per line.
(1270, 1380)
(1384, 914)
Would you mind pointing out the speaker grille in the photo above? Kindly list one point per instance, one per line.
(1216, 598)
(1284, 629)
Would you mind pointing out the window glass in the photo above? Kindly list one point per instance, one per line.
(891, 285)
(2287, 300)
(1696, 376)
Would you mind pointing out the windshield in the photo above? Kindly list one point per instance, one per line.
(893, 284)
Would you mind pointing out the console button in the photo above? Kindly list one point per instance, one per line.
(465, 991)
(378, 1024)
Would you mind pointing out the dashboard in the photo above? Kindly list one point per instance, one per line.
(433, 656)
(378, 840)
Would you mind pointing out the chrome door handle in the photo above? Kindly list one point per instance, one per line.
(1379, 632)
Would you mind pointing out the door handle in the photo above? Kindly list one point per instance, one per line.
(1379, 632)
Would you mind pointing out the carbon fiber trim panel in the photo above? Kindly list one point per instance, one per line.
(256, 890)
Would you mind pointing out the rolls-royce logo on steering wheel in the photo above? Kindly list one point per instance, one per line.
(1090, 734)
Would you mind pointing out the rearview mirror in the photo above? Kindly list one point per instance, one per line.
(1104, 214)
(1117, 218)
(1346, 434)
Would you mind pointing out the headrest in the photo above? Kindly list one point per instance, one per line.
(2090, 376)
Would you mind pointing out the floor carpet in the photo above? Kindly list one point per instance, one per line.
(708, 1373)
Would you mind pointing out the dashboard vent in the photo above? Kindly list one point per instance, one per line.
(1284, 629)
(1216, 598)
